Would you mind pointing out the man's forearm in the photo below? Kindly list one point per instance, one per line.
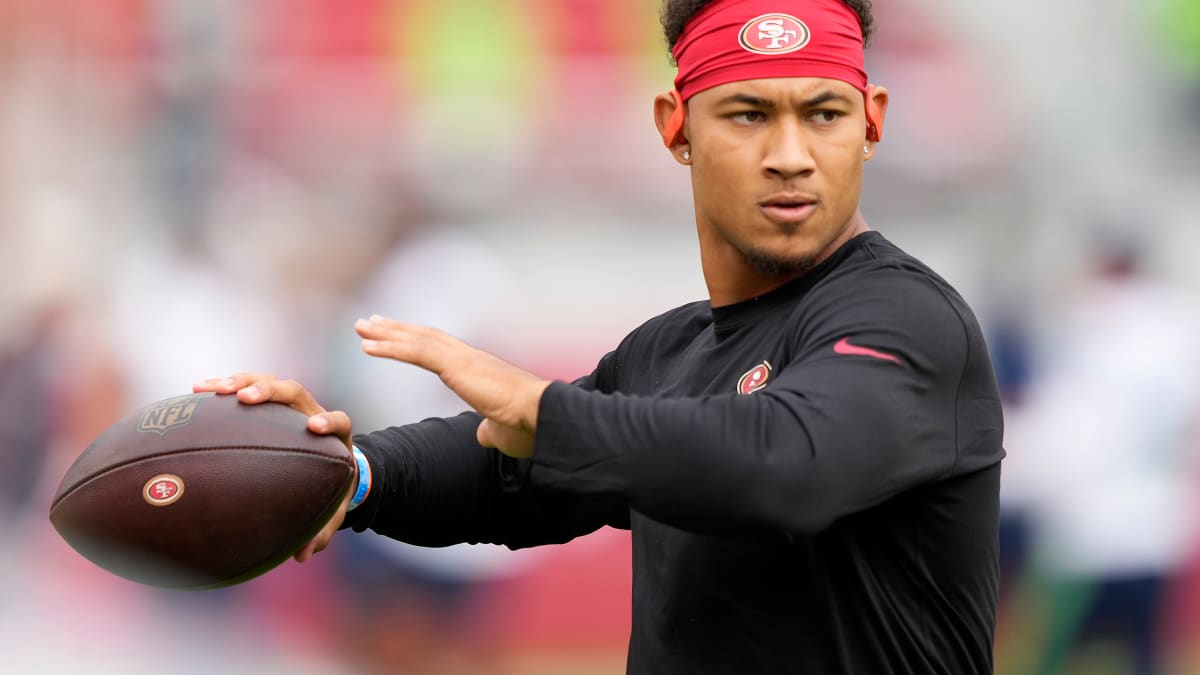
(436, 486)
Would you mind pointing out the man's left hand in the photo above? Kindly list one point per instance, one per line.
(505, 395)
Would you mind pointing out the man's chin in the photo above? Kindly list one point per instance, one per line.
(772, 265)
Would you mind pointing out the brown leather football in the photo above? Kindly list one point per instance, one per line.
(201, 491)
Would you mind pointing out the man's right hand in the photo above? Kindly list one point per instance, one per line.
(252, 388)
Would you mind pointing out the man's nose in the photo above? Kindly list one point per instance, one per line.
(787, 153)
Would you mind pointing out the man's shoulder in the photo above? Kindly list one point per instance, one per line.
(880, 272)
(689, 319)
(875, 254)
(881, 291)
(668, 330)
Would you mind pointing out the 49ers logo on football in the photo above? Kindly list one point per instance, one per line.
(754, 379)
(774, 34)
(163, 489)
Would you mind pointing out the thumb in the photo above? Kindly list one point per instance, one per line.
(509, 440)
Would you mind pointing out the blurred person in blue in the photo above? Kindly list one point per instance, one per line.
(1107, 432)
(808, 459)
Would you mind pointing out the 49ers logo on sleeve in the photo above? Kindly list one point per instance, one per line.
(754, 379)
(774, 34)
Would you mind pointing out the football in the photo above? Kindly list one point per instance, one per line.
(201, 491)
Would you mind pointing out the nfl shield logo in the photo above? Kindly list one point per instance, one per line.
(166, 415)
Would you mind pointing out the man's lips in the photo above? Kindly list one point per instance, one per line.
(788, 208)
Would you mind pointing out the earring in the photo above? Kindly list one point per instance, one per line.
(866, 149)
(686, 155)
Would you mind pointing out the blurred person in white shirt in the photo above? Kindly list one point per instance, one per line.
(1107, 437)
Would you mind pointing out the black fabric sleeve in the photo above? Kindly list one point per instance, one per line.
(434, 485)
(831, 434)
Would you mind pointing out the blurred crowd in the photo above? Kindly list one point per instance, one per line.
(190, 189)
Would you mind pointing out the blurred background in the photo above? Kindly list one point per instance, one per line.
(190, 189)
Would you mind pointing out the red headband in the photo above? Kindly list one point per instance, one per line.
(734, 40)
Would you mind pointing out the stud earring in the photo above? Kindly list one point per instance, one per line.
(686, 155)
(866, 149)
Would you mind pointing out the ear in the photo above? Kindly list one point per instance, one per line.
(876, 101)
(670, 115)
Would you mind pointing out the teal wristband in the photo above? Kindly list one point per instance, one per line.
(364, 479)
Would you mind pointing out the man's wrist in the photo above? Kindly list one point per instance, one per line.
(363, 488)
(536, 390)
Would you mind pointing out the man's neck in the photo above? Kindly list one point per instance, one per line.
(731, 278)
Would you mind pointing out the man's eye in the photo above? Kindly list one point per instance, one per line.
(749, 117)
(826, 116)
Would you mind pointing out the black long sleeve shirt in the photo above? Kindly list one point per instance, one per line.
(811, 476)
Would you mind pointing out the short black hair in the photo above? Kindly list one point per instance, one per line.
(676, 14)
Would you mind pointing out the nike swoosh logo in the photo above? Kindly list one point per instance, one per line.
(843, 346)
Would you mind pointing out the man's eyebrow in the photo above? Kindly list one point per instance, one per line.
(748, 100)
(759, 102)
(824, 97)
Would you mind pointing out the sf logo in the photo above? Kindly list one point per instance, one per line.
(163, 489)
(774, 32)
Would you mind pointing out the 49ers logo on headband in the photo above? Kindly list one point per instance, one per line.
(774, 34)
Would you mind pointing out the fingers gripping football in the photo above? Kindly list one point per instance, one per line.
(252, 388)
